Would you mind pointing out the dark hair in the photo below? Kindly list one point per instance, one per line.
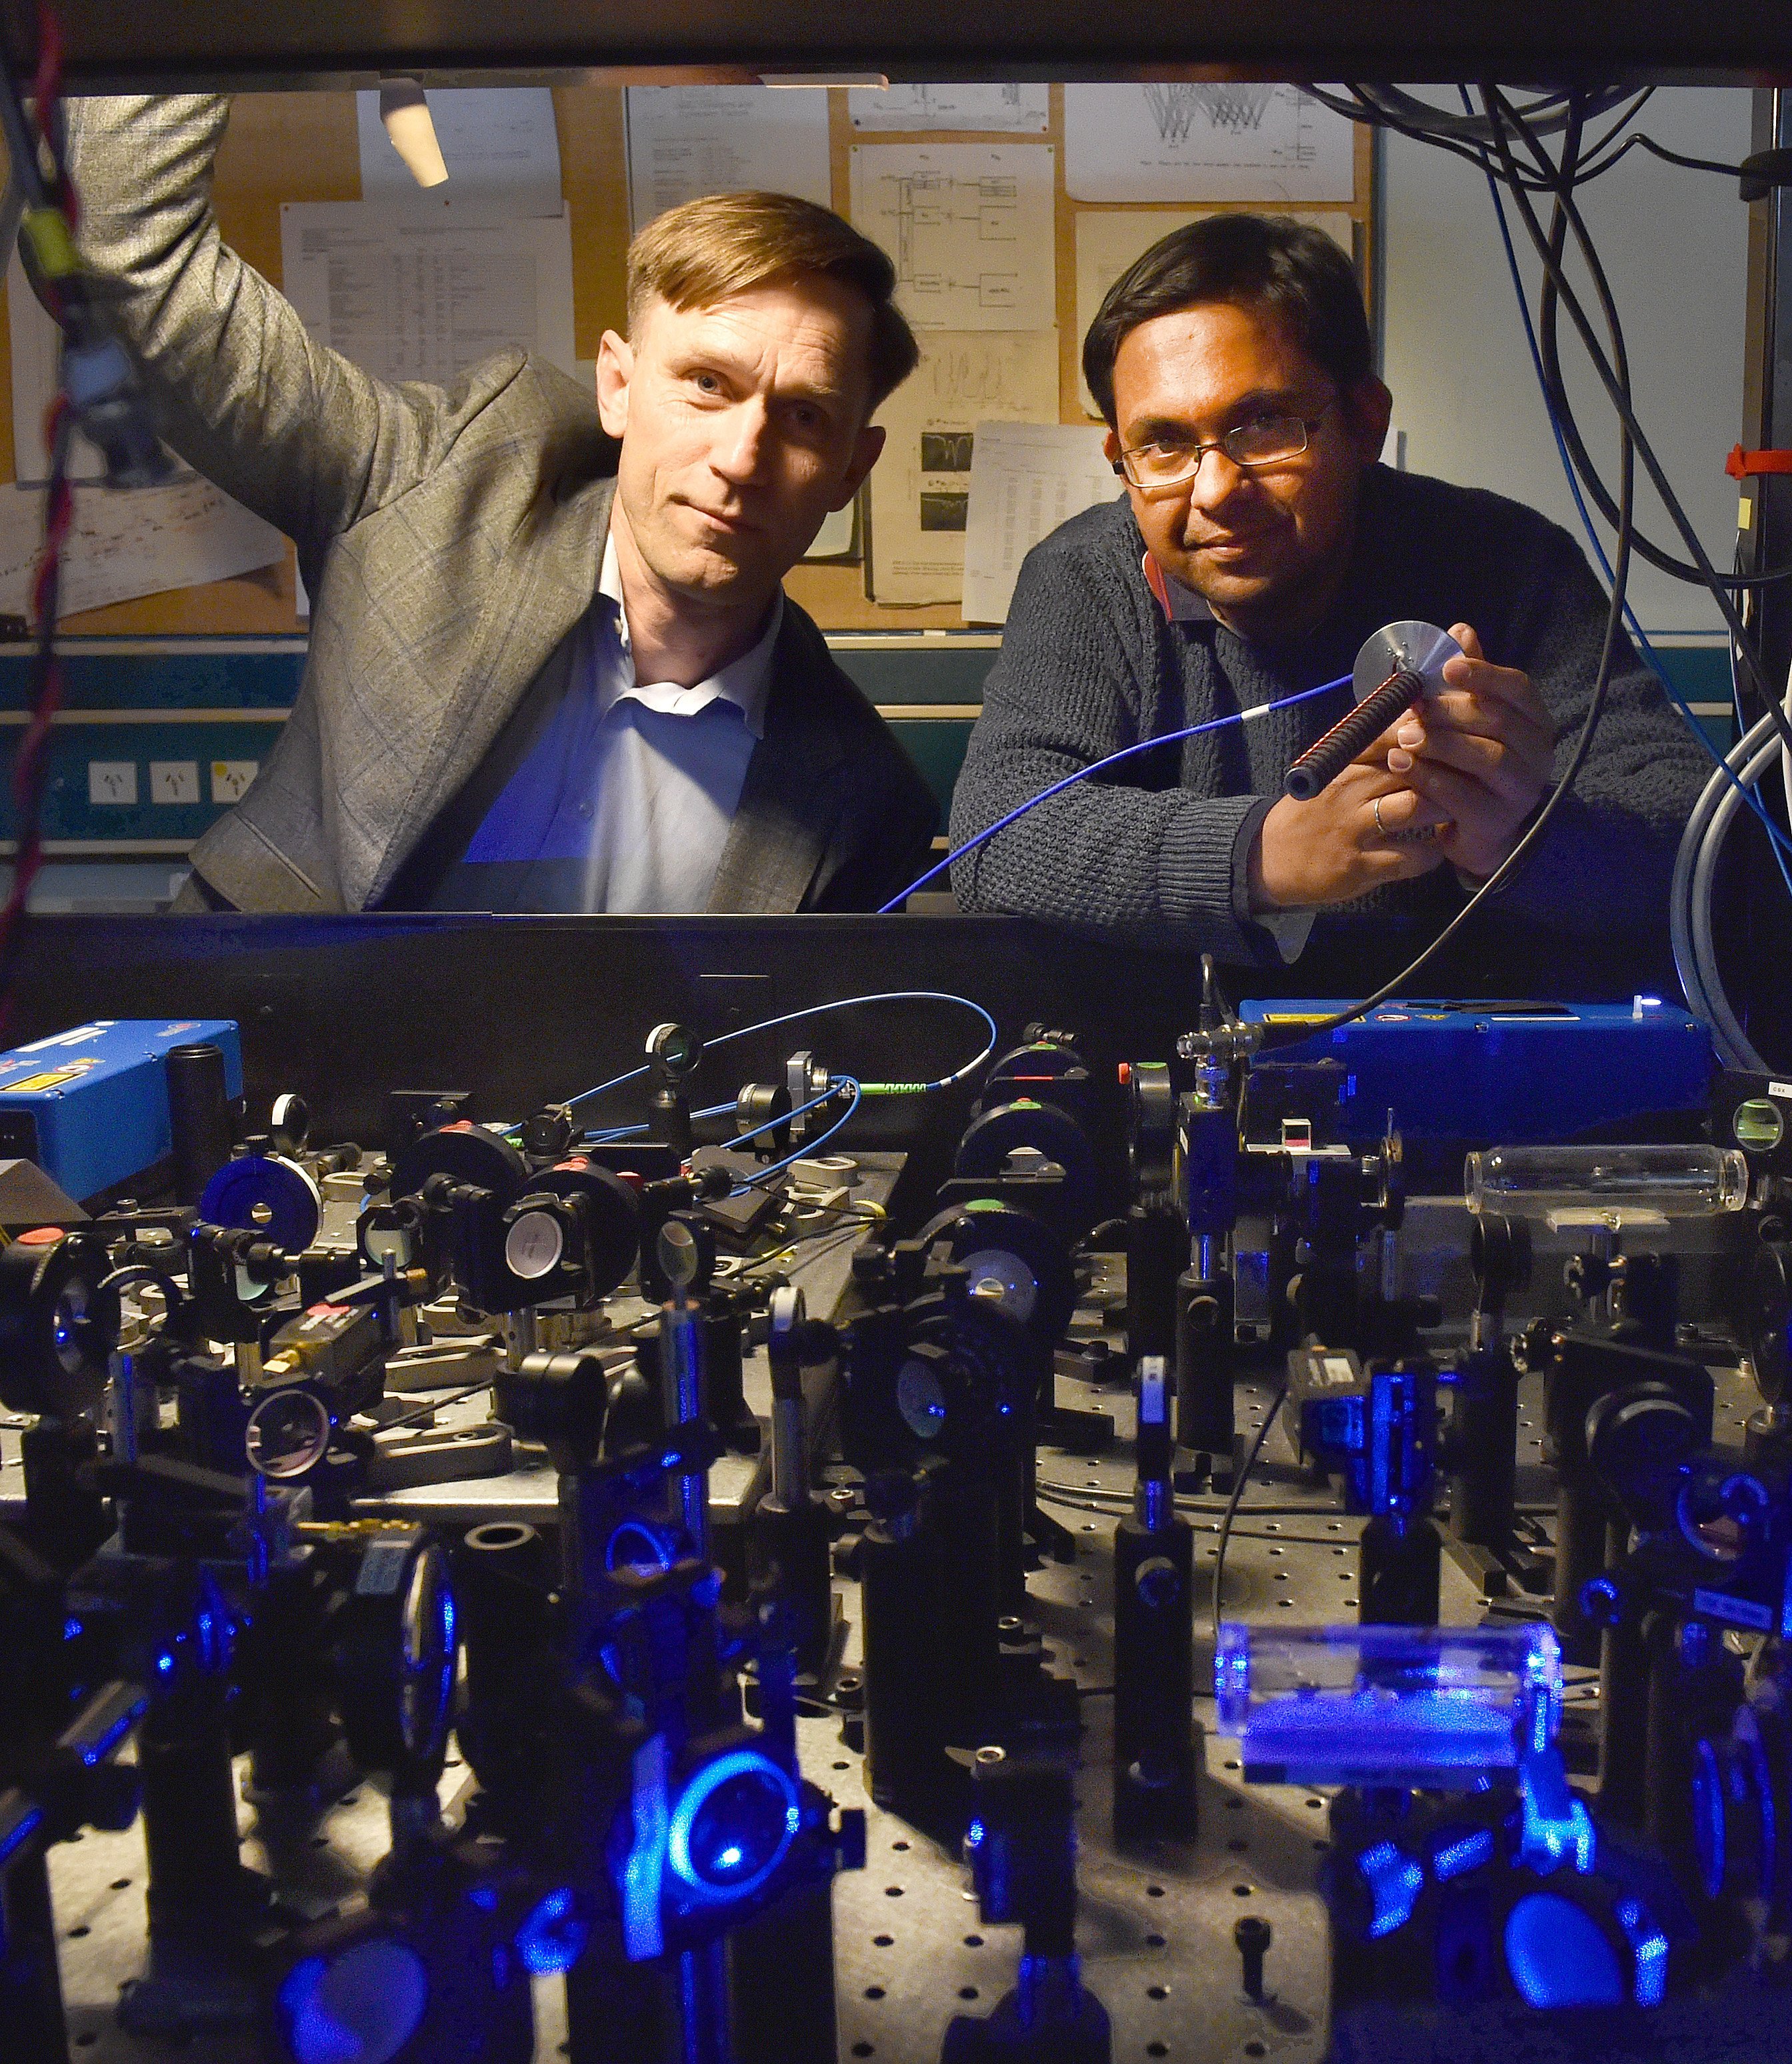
(702, 251)
(1287, 270)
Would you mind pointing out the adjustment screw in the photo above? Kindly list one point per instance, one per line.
(1252, 1935)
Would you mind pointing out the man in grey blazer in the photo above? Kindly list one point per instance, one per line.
(530, 686)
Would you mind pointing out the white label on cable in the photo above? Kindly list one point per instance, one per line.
(112, 781)
(1781, 1089)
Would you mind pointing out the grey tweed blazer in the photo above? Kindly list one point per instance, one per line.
(451, 542)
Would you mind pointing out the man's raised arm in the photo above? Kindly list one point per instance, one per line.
(242, 391)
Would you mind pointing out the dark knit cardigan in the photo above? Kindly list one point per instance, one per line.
(1157, 850)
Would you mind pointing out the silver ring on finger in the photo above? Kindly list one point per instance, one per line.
(1374, 811)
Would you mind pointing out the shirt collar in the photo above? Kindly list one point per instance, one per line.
(1179, 604)
(746, 682)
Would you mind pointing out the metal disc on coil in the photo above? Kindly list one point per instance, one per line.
(263, 1193)
(1419, 648)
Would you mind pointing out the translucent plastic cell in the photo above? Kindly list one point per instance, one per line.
(1673, 1182)
(1431, 1707)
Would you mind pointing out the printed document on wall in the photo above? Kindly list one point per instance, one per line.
(969, 227)
(414, 290)
(921, 487)
(498, 143)
(1026, 479)
(685, 141)
(1109, 239)
(1184, 143)
(133, 541)
(1023, 110)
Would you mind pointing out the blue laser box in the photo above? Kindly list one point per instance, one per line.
(1497, 1073)
(90, 1107)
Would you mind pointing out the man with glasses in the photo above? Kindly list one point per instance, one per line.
(1259, 543)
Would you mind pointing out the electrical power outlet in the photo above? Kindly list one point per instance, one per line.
(230, 779)
(112, 781)
(174, 780)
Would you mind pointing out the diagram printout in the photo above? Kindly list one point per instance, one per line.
(921, 487)
(1184, 143)
(968, 226)
(1024, 111)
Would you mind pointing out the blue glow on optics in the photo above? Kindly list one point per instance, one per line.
(1709, 1821)
(1232, 1676)
(553, 1937)
(72, 1630)
(633, 1545)
(164, 1663)
(1650, 1946)
(484, 1897)
(733, 1825)
(1466, 1853)
(975, 1835)
(1558, 1956)
(644, 1871)
(361, 2006)
(1556, 1827)
(1395, 1881)
(97, 1751)
(30, 1820)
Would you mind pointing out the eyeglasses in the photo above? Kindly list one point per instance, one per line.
(1264, 441)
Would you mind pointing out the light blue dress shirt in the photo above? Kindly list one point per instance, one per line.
(625, 799)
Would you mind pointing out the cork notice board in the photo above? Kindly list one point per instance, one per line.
(302, 146)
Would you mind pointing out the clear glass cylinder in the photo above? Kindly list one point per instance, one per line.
(1432, 1707)
(1689, 1182)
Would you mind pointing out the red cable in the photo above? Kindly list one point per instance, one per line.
(47, 93)
(29, 768)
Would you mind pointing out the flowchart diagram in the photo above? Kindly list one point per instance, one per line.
(969, 227)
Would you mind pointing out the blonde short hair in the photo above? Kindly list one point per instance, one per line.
(700, 253)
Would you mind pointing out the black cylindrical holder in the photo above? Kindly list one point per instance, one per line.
(199, 1117)
(1484, 1479)
(905, 1761)
(1625, 1669)
(31, 1988)
(1154, 1737)
(201, 1900)
(1399, 1570)
(789, 1542)
(1155, 1752)
(724, 1394)
(1156, 1253)
(1583, 1530)
(502, 1574)
(781, 1974)
(1327, 757)
(1206, 1421)
(965, 1516)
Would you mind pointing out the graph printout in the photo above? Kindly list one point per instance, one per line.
(1251, 142)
